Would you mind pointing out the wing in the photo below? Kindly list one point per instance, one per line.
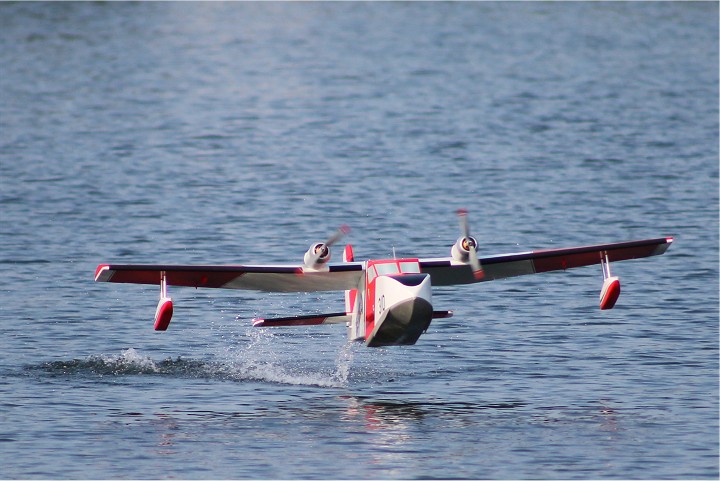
(447, 271)
(272, 278)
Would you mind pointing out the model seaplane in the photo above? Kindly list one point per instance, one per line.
(388, 301)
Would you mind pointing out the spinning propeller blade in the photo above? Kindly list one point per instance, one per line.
(470, 244)
(341, 232)
(323, 249)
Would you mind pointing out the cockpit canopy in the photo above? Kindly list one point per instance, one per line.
(392, 267)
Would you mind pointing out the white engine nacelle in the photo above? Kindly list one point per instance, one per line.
(461, 249)
(317, 255)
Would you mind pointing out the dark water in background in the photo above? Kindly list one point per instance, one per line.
(238, 133)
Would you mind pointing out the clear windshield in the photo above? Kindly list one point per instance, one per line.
(385, 269)
(409, 267)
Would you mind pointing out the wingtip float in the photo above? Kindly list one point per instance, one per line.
(387, 301)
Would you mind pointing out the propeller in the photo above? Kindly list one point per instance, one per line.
(470, 244)
(320, 253)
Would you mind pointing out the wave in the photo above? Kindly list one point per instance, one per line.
(130, 362)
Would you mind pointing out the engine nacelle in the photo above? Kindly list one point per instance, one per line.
(461, 249)
(317, 255)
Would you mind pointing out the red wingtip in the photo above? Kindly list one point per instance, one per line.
(100, 268)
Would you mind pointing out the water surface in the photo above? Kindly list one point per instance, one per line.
(242, 132)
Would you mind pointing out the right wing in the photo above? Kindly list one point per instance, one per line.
(447, 271)
(273, 278)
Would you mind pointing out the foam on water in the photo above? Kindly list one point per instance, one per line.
(260, 357)
(127, 362)
(235, 365)
(247, 369)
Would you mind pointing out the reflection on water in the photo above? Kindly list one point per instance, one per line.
(163, 431)
(390, 413)
(390, 433)
(167, 428)
(388, 430)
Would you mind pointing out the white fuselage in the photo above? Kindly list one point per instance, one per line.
(394, 304)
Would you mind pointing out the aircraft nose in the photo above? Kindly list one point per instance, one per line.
(403, 323)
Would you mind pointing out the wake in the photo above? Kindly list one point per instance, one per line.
(243, 365)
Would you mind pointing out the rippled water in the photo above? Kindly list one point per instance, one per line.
(242, 132)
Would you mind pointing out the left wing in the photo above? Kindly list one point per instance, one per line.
(447, 271)
(309, 320)
(315, 319)
(272, 278)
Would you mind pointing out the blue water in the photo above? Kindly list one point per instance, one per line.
(242, 132)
